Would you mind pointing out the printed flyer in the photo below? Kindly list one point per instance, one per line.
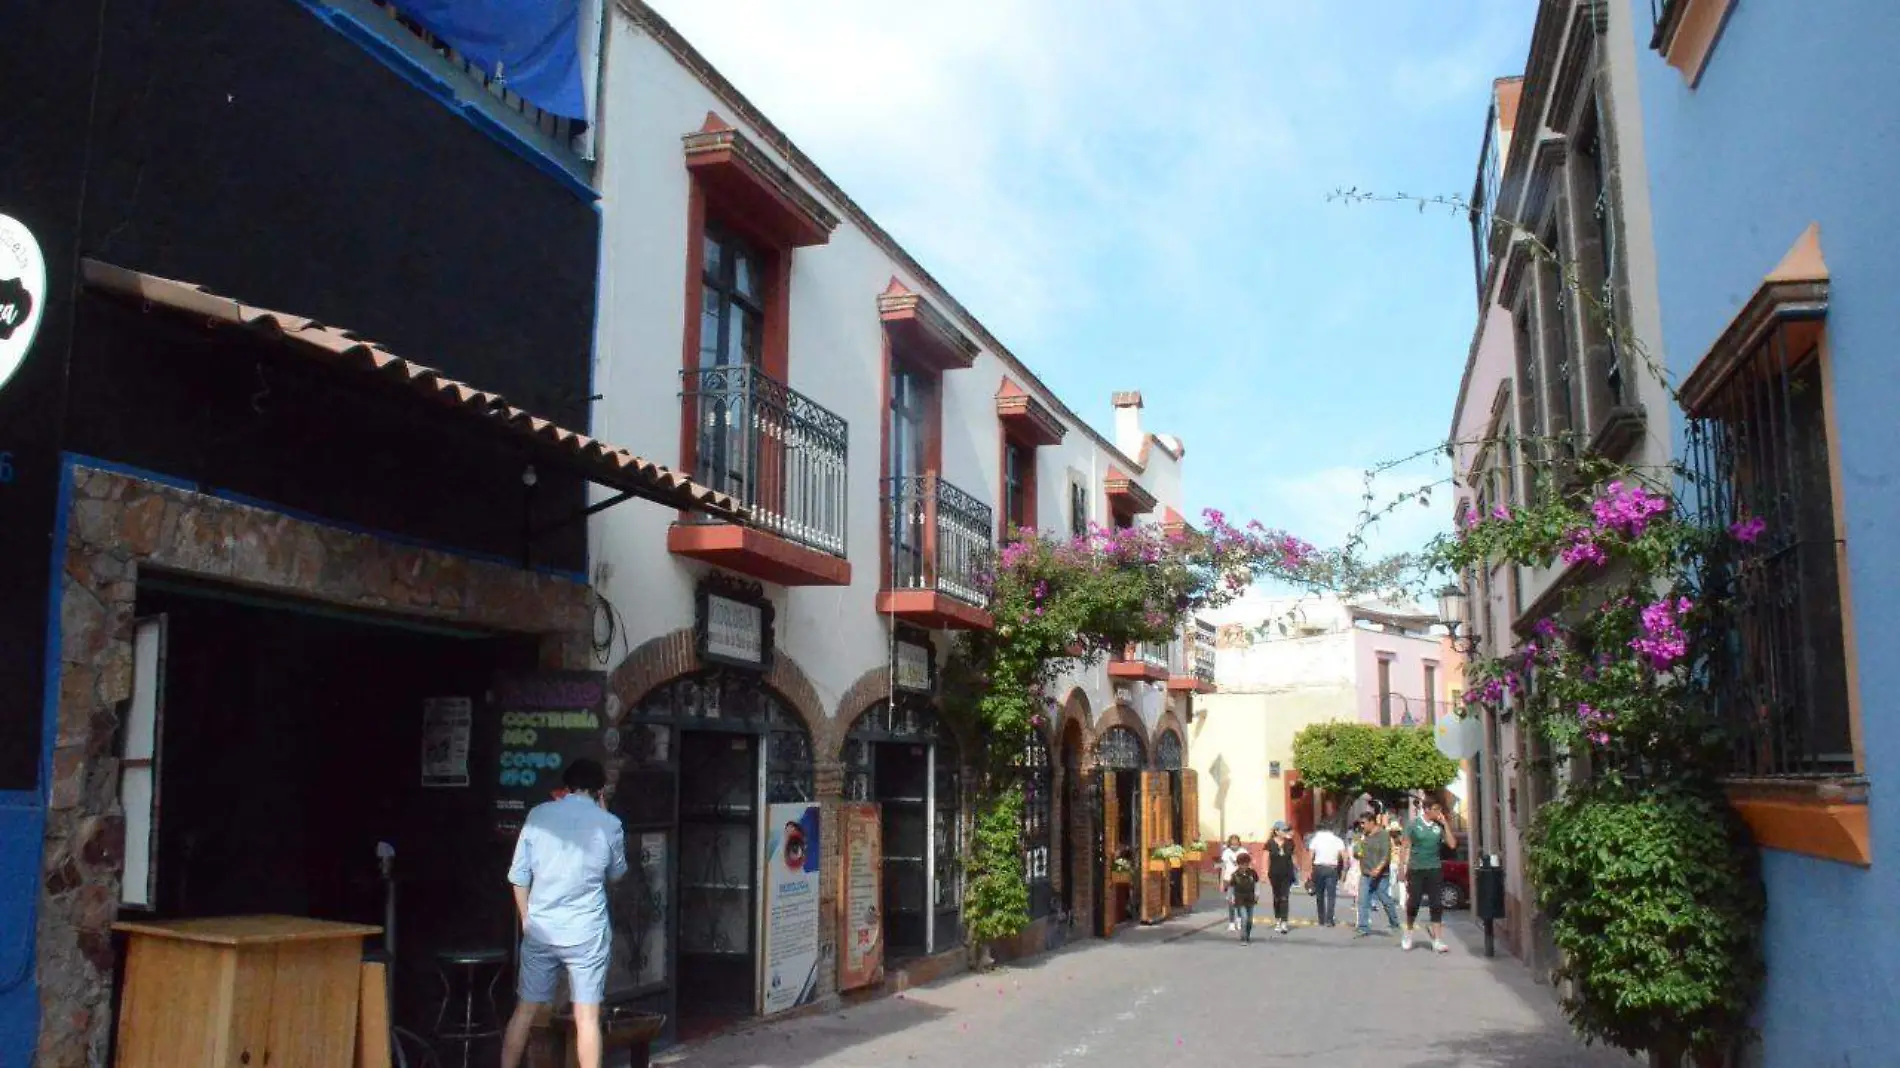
(791, 907)
(863, 949)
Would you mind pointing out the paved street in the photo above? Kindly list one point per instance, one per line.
(1186, 992)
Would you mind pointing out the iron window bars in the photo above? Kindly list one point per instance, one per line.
(941, 537)
(1757, 451)
(776, 450)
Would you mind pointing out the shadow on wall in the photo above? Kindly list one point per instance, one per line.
(1222, 777)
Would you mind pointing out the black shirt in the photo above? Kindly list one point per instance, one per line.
(1280, 859)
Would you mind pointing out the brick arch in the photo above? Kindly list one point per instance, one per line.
(872, 686)
(1075, 709)
(1120, 715)
(1169, 721)
(667, 657)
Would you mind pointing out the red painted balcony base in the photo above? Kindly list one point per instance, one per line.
(763, 556)
(932, 610)
(1136, 669)
(1188, 684)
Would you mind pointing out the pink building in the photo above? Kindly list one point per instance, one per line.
(1405, 671)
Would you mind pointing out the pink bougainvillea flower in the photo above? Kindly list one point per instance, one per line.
(1747, 530)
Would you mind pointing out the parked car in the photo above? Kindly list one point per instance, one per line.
(1457, 891)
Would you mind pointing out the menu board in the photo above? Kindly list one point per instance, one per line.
(545, 722)
(863, 958)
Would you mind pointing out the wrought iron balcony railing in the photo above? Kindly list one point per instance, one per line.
(774, 450)
(1204, 634)
(1153, 654)
(941, 538)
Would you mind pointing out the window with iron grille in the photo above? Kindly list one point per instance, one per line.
(1035, 772)
(1078, 509)
(1120, 749)
(1758, 455)
(1602, 221)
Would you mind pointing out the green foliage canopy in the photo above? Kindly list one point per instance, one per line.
(1353, 758)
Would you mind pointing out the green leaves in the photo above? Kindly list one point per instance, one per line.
(996, 901)
(1656, 903)
(1352, 758)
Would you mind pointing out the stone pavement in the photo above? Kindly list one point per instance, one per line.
(1186, 992)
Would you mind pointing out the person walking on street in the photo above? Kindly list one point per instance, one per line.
(1280, 873)
(1329, 856)
(568, 851)
(1229, 858)
(1426, 839)
(1245, 888)
(1375, 875)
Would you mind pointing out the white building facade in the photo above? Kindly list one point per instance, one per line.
(757, 328)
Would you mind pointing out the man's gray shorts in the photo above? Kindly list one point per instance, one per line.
(585, 964)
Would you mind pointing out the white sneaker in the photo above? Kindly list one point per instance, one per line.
(1438, 946)
(1233, 925)
(1405, 944)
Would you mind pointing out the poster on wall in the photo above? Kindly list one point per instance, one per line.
(861, 896)
(545, 722)
(792, 855)
(447, 723)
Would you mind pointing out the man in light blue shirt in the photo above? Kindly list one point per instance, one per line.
(569, 850)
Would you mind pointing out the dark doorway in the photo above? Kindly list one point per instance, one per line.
(901, 786)
(718, 902)
(900, 757)
(290, 746)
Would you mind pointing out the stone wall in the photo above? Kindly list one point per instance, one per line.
(118, 526)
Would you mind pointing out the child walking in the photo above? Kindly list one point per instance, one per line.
(1245, 885)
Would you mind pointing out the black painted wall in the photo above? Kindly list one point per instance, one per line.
(246, 146)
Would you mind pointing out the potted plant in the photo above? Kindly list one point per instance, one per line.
(1165, 857)
(1123, 871)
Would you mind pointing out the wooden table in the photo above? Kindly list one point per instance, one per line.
(241, 992)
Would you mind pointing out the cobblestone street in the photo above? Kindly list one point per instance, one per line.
(1184, 992)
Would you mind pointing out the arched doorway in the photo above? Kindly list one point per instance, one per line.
(1120, 757)
(703, 756)
(900, 756)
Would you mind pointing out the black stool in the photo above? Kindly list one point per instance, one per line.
(473, 1027)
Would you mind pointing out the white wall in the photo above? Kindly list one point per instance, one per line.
(650, 101)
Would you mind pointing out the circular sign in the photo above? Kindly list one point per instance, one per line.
(22, 293)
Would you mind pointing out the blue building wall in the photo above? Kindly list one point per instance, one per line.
(1794, 123)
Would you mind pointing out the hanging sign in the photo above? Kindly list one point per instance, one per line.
(735, 624)
(861, 896)
(447, 723)
(546, 721)
(22, 293)
(790, 955)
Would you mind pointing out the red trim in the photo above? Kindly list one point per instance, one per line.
(1025, 418)
(922, 334)
(747, 184)
(756, 553)
(689, 346)
(1126, 497)
(1130, 666)
(1188, 684)
(932, 610)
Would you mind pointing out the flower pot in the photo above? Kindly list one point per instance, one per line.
(1121, 878)
(1157, 865)
(1197, 855)
(1174, 862)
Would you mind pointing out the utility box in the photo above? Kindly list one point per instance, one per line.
(1488, 893)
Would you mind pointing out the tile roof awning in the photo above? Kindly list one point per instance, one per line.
(597, 461)
(1126, 495)
(1025, 418)
(921, 332)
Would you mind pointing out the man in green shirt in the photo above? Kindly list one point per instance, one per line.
(1426, 839)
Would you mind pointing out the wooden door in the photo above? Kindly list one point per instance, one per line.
(1157, 829)
(1191, 835)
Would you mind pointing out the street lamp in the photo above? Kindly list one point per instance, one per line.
(1451, 612)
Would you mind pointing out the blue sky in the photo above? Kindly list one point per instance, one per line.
(1133, 196)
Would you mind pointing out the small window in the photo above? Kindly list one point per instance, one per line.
(732, 302)
(1019, 481)
(1431, 695)
(1385, 691)
(1078, 509)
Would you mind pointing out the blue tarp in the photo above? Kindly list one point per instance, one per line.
(534, 44)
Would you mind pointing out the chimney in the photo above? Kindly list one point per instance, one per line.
(1128, 433)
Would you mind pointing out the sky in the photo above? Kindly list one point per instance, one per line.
(1133, 195)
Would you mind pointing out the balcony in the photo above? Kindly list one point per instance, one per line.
(940, 543)
(1193, 672)
(783, 455)
(1145, 661)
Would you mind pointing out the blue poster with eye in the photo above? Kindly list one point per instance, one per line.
(793, 857)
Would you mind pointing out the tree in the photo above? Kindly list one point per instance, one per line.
(1355, 758)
